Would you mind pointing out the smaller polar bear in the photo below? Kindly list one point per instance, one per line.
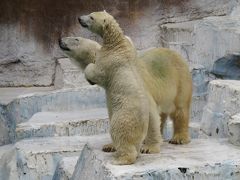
(131, 108)
(81, 51)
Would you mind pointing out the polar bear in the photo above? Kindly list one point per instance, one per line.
(132, 110)
(86, 49)
(80, 50)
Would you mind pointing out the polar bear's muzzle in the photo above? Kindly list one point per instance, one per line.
(82, 21)
(63, 45)
(90, 82)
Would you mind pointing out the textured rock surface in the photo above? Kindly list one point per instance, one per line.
(7, 95)
(29, 31)
(234, 129)
(200, 80)
(6, 127)
(25, 106)
(38, 158)
(65, 168)
(22, 60)
(68, 76)
(20, 104)
(48, 124)
(215, 37)
(179, 37)
(8, 166)
(227, 67)
(201, 159)
(223, 102)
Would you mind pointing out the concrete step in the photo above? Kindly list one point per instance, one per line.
(85, 122)
(8, 94)
(65, 168)
(37, 158)
(200, 159)
(18, 105)
(8, 168)
(223, 102)
(48, 124)
(234, 129)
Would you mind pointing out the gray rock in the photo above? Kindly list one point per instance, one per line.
(8, 165)
(65, 168)
(25, 106)
(71, 123)
(214, 38)
(19, 107)
(8, 94)
(201, 159)
(223, 102)
(28, 49)
(198, 103)
(179, 37)
(234, 129)
(227, 67)
(38, 158)
(6, 127)
(200, 80)
(23, 62)
(68, 75)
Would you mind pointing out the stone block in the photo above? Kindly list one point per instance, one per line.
(234, 129)
(223, 102)
(68, 75)
(38, 158)
(215, 37)
(201, 159)
(49, 124)
(65, 168)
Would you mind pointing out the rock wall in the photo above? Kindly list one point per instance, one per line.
(30, 30)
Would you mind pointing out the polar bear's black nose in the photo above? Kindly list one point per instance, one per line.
(79, 20)
(82, 22)
(63, 45)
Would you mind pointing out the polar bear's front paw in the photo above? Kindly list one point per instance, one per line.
(150, 148)
(180, 139)
(108, 148)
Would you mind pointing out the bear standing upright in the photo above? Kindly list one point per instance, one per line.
(165, 67)
(132, 110)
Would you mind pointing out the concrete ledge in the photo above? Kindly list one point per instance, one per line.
(201, 159)
(48, 124)
(38, 158)
(234, 129)
(65, 168)
(25, 106)
(8, 165)
(223, 102)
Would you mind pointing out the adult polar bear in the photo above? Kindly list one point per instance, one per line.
(171, 91)
(83, 51)
(131, 108)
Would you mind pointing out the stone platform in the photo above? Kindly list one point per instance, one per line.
(201, 159)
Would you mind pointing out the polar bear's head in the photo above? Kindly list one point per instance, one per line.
(96, 21)
(80, 50)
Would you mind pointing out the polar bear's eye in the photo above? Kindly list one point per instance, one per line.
(91, 18)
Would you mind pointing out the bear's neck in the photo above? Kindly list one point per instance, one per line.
(112, 35)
